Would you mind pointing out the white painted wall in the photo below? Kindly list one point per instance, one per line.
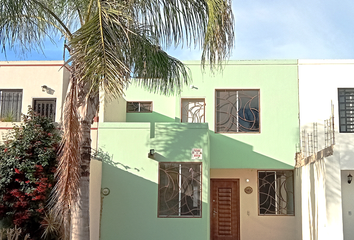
(324, 188)
(347, 205)
(319, 81)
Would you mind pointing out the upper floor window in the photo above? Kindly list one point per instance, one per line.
(346, 110)
(180, 187)
(276, 192)
(193, 110)
(139, 107)
(45, 107)
(237, 111)
(10, 105)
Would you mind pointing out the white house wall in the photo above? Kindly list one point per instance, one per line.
(322, 182)
(319, 81)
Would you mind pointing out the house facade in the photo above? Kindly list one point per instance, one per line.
(326, 121)
(215, 162)
(40, 85)
(260, 150)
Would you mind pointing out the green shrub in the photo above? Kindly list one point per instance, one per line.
(27, 166)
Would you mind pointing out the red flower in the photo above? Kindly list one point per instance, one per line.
(37, 198)
(17, 171)
(39, 168)
(5, 150)
(15, 192)
(28, 181)
(40, 210)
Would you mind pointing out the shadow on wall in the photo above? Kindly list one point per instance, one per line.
(321, 198)
(152, 118)
(174, 141)
(130, 210)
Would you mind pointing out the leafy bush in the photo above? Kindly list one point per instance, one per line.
(27, 166)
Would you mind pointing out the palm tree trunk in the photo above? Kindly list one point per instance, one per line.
(80, 210)
(80, 214)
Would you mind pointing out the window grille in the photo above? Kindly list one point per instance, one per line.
(346, 110)
(180, 189)
(45, 107)
(139, 107)
(237, 111)
(193, 110)
(10, 105)
(276, 192)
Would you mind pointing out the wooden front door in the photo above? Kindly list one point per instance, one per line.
(225, 209)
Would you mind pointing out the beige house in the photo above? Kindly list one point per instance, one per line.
(41, 85)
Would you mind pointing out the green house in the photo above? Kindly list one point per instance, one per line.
(215, 162)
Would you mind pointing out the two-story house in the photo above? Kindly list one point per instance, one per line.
(215, 162)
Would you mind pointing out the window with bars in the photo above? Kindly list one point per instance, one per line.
(193, 110)
(45, 107)
(180, 189)
(10, 105)
(139, 107)
(276, 192)
(237, 111)
(346, 110)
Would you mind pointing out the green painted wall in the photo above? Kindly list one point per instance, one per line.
(274, 147)
(129, 212)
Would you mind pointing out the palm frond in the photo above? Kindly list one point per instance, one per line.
(155, 70)
(219, 37)
(111, 48)
(100, 48)
(173, 22)
(208, 24)
(65, 191)
(26, 24)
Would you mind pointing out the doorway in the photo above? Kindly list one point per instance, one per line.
(225, 209)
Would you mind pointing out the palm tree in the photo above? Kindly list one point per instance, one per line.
(112, 43)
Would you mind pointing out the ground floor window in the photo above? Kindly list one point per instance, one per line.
(10, 105)
(179, 189)
(45, 107)
(276, 192)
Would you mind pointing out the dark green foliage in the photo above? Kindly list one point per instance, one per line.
(27, 166)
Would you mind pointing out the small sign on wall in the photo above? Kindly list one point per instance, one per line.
(197, 153)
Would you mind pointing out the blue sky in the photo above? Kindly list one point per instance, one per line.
(272, 29)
